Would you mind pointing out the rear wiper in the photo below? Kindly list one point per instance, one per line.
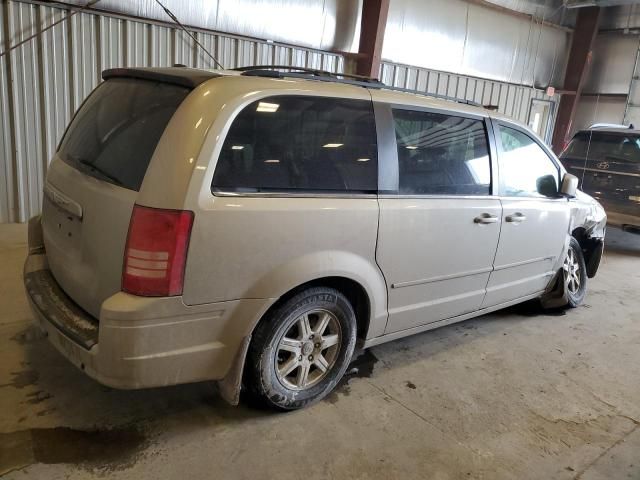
(97, 170)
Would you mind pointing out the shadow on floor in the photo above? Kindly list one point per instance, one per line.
(623, 243)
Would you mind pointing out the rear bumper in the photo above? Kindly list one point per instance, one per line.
(139, 342)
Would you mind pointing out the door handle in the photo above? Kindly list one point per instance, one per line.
(515, 218)
(486, 218)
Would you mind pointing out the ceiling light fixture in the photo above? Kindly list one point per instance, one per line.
(267, 107)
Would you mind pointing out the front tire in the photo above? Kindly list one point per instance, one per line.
(574, 274)
(300, 350)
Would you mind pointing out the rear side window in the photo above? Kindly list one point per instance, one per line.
(115, 132)
(441, 154)
(300, 144)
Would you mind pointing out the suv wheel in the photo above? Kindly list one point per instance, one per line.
(574, 272)
(300, 351)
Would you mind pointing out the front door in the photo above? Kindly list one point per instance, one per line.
(439, 232)
(535, 220)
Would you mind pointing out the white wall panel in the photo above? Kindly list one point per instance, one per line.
(595, 109)
(321, 24)
(466, 38)
(614, 56)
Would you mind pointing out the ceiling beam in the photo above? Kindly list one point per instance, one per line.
(372, 27)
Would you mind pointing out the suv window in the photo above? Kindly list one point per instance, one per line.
(596, 145)
(115, 132)
(525, 168)
(441, 154)
(300, 143)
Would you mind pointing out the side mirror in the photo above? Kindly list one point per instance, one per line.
(569, 185)
(547, 186)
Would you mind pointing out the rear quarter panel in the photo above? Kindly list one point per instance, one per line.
(262, 247)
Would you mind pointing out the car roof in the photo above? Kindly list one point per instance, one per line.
(192, 78)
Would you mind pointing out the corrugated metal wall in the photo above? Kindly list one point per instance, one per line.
(512, 100)
(44, 81)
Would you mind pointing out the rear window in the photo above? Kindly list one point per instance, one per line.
(300, 144)
(604, 145)
(115, 132)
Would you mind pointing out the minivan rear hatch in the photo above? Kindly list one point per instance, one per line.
(93, 182)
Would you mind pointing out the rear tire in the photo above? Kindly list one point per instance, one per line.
(574, 274)
(300, 350)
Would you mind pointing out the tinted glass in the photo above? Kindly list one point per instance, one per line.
(525, 169)
(441, 154)
(297, 143)
(115, 132)
(604, 145)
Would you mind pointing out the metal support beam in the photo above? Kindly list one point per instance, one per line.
(372, 25)
(578, 64)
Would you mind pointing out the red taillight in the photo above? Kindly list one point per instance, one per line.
(156, 251)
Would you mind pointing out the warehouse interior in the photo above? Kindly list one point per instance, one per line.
(525, 392)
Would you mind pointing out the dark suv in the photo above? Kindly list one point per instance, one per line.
(607, 162)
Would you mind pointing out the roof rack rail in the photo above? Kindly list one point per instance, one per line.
(273, 71)
(304, 72)
(434, 95)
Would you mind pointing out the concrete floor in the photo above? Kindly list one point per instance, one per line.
(516, 394)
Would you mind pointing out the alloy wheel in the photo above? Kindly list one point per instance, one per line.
(308, 349)
(571, 269)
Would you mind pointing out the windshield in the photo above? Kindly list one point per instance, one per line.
(115, 132)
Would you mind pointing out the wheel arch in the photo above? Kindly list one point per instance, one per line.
(592, 249)
(355, 293)
(356, 276)
(363, 286)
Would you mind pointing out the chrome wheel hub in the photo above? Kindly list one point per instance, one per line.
(571, 270)
(308, 349)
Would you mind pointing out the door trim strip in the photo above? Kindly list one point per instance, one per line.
(439, 278)
(524, 262)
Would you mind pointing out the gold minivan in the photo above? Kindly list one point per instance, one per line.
(254, 227)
